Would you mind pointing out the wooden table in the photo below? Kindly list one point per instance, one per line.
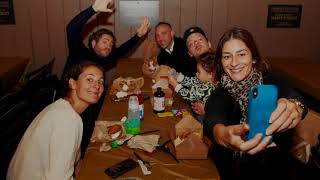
(163, 165)
(302, 73)
(11, 70)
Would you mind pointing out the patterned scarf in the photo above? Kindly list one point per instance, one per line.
(239, 90)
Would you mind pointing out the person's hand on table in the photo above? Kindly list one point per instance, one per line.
(232, 137)
(172, 80)
(144, 27)
(287, 115)
(103, 6)
(198, 107)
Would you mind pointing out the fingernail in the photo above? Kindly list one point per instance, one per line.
(259, 134)
(268, 132)
(271, 120)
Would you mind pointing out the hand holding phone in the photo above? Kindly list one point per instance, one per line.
(262, 102)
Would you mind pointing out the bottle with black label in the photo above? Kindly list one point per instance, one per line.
(158, 101)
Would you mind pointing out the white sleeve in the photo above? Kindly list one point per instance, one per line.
(180, 77)
(178, 87)
(64, 144)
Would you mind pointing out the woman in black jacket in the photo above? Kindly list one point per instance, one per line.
(240, 67)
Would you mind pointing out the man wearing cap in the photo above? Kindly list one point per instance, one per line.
(196, 41)
(197, 44)
(174, 52)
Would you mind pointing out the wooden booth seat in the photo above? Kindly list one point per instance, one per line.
(11, 70)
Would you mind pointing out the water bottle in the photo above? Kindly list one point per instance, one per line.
(133, 108)
(132, 124)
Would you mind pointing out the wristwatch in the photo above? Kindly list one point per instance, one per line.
(301, 105)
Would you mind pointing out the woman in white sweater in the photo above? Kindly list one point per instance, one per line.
(50, 147)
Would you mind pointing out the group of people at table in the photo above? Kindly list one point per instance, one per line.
(56, 140)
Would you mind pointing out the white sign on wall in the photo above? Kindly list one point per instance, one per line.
(131, 12)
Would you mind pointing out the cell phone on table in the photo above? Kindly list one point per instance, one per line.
(120, 168)
(262, 102)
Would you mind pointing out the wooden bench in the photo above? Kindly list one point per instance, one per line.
(301, 72)
(11, 70)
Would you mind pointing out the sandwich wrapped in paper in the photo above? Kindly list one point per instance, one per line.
(187, 136)
(123, 87)
(107, 131)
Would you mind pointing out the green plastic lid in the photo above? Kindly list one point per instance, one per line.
(114, 144)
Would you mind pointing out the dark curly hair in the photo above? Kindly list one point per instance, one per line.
(246, 37)
(97, 35)
(207, 61)
(73, 72)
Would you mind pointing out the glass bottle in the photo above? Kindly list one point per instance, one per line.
(158, 101)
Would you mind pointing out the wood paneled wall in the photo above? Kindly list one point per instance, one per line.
(39, 32)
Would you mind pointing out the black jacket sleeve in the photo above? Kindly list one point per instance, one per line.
(74, 29)
(119, 52)
(220, 108)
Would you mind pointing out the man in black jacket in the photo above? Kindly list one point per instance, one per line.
(174, 52)
(101, 43)
(101, 50)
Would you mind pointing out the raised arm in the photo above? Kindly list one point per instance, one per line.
(144, 27)
(124, 48)
(75, 26)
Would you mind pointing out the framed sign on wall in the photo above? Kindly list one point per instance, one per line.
(6, 12)
(284, 16)
(131, 12)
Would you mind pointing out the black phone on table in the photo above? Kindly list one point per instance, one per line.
(121, 168)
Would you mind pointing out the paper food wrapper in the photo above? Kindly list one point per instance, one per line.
(147, 143)
(107, 131)
(150, 67)
(187, 136)
(123, 87)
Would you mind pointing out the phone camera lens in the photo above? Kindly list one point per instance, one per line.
(255, 92)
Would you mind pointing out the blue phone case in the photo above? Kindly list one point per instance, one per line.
(262, 102)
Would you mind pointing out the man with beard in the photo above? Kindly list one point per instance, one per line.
(101, 43)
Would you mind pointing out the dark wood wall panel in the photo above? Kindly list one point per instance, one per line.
(204, 15)
(23, 40)
(57, 33)
(40, 34)
(172, 12)
(219, 20)
(8, 38)
(188, 15)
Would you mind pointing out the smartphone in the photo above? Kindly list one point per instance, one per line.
(121, 168)
(262, 102)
